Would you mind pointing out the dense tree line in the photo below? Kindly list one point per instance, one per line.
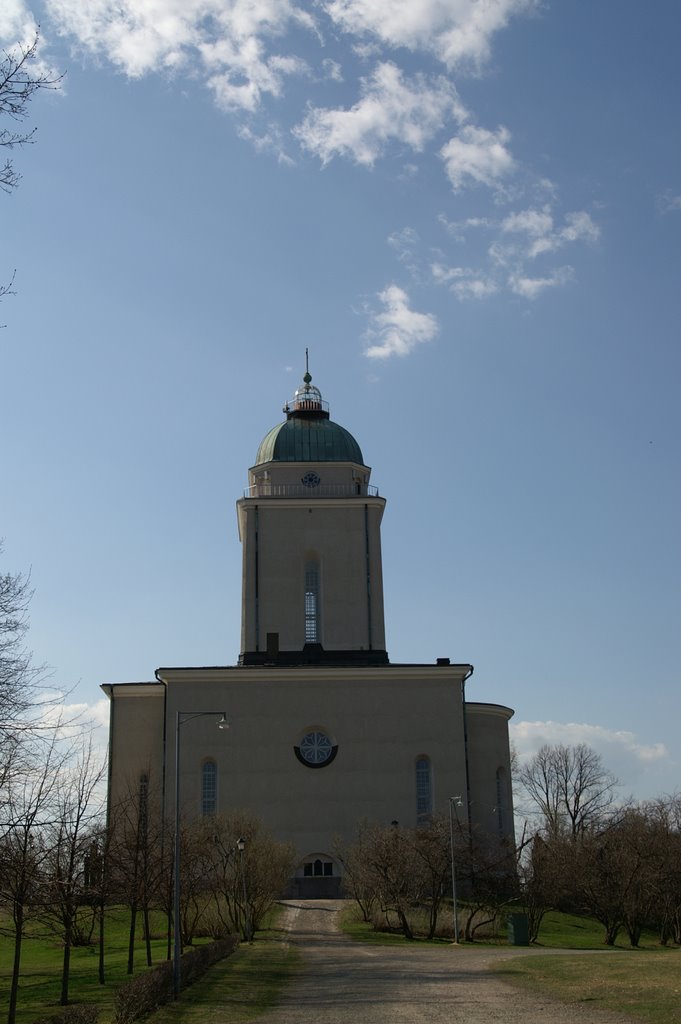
(619, 862)
(582, 851)
(401, 878)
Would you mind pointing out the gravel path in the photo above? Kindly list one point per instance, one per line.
(345, 982)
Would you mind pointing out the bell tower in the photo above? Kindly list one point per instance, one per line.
(310, 529)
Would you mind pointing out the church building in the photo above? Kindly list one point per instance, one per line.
(324, 731)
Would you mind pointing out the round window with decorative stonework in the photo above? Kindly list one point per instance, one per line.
(316, 748)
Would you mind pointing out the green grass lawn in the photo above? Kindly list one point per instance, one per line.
(247, 982)
(646, 985)
(362, 931)
(568, 931)
(41, 963)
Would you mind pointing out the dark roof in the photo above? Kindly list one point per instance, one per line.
(309, 439)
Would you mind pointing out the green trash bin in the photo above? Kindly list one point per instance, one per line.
(518, 930)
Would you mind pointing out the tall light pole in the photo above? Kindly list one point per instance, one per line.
(241, 846)
(181, 718)
(454, 800)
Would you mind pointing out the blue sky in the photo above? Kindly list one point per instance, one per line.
(470, 212)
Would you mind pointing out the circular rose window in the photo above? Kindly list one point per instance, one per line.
(316, 749)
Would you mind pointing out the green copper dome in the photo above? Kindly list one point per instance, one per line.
(307, 434)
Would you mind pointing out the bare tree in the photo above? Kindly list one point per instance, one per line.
(20, 679)
(570, 788)
(432, 847)
(666, 812)
(243, 885)
(70, 838)
(400, 870)
(629, 870)
(357, 880)
(28, 810)
(134, 858)
(21, 77)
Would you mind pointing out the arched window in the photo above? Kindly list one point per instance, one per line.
(209, 788)
(502, 801)
(312, 603)
(143, 801)
(319, 867)
(424, 790)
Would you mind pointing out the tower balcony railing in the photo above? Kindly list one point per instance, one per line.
(266, 489)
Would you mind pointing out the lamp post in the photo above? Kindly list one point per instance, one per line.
(453, 800)
(241, 846)
(181, 718)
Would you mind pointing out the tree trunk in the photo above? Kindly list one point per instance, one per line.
(66, 967)
(147, 936)
(101, 944)
(18, 936)
(131, 938)
(406, 929)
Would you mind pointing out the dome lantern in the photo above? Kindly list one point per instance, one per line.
(308, 434)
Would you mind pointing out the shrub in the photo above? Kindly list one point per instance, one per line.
(144, 994)
(78, 1013)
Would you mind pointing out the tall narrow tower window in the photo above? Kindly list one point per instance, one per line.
(209, 788)
(143, 803)
(502, 801)
(424, 790)
(311, 603)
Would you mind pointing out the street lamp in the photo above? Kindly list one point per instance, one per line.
(454, 801)
(181, 718)
(241, 846)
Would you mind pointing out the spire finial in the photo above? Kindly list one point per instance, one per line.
(307, 377)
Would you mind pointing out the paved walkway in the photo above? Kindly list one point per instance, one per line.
(345, 982)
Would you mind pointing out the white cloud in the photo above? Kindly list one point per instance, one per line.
(528, 737)
(445, 275)
(18, 32)
(579, 227)
(405, 244)
(245, 76)
(17, 23)
(230, 42)
(456, 31)
(398, 329)
(531, 287)
(226, 39)
(531, 222)
(464, 282)
(72, 720)
(474, 287)
(668, 202)
(268, 141)
(646, 767)
(477, 155)
(332, 70)
(521, 236)
(538, 225)
(458, 228)
(392, 108)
